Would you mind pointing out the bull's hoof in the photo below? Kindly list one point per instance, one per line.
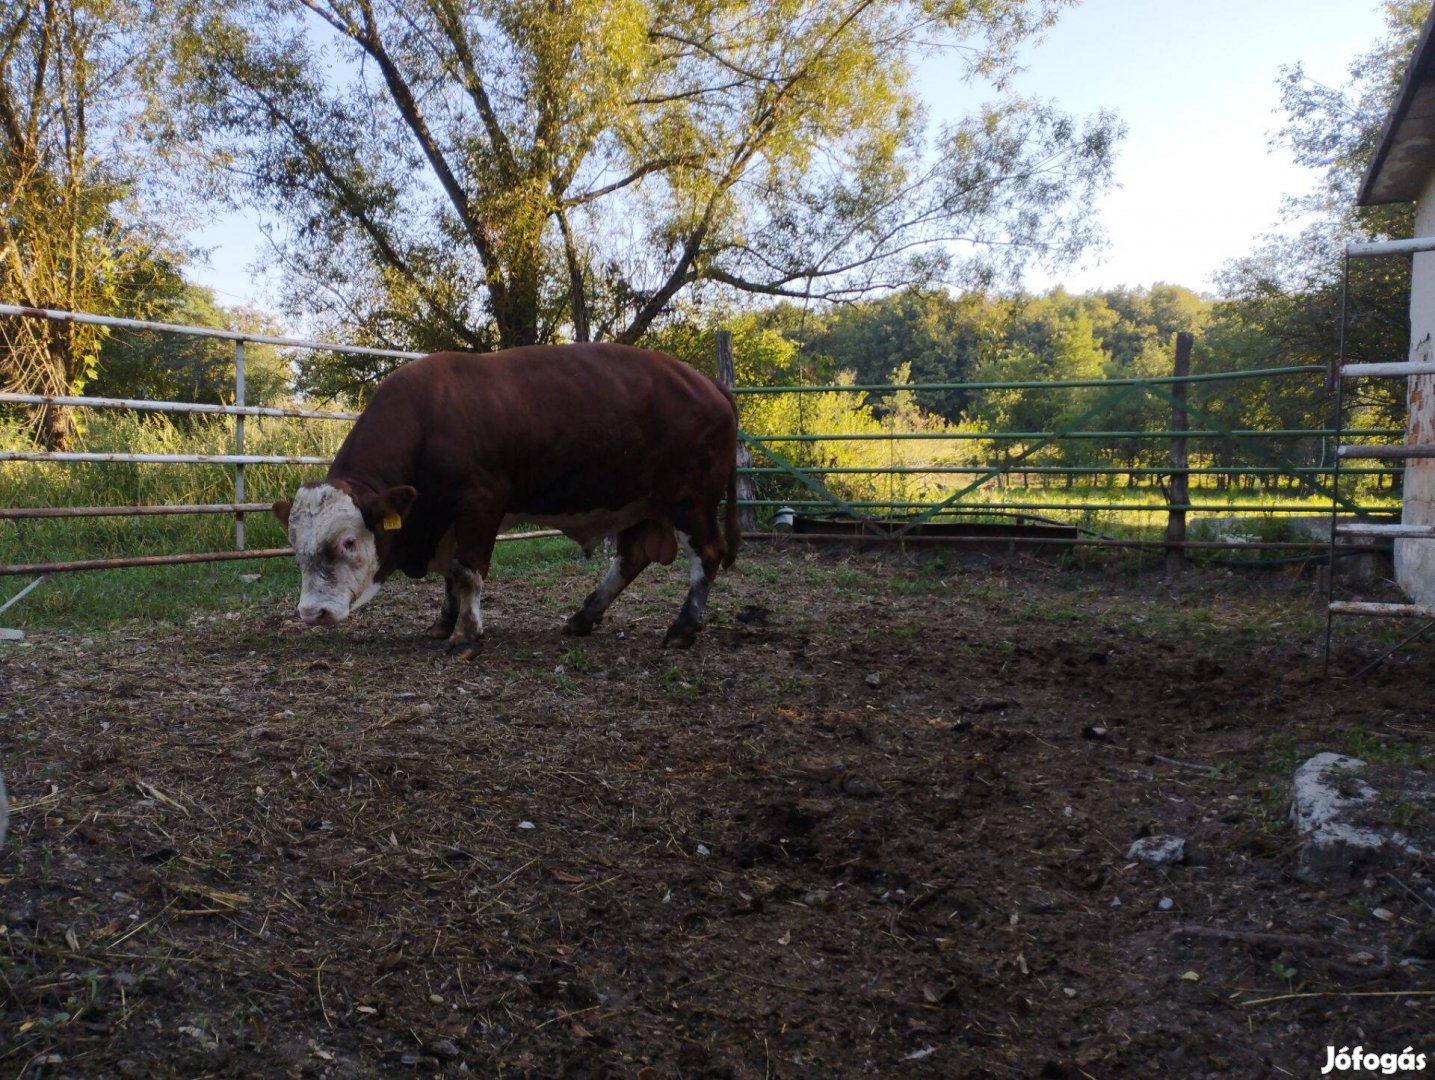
(439, 632)
(580, 625)
(680, 636)
(465, 650)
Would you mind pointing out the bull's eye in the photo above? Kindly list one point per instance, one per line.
(350, 545)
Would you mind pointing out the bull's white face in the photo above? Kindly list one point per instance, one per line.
(338, 558)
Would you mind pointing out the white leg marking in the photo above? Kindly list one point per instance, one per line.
(697, 600)
(469, 586)
(608, 589)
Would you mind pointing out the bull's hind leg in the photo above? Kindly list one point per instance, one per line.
(632, 557)
(442, 627)
(704, 558)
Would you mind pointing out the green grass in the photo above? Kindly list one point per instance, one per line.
(106, 599)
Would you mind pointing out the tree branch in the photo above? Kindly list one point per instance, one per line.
(402, 95)
(353, 203)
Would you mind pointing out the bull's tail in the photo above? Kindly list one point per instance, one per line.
(732, 528)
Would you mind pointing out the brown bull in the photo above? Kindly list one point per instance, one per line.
(595, 440)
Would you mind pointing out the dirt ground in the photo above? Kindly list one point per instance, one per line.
(874, 824)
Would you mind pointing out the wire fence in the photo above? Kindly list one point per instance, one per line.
(238, 461)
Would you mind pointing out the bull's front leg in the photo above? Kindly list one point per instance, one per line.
(468, 637)
(475, 534)
(442, 627)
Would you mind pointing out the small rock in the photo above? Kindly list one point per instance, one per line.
(1158, 850)
(527, 825)
(249, 578)
(11, 635)
(436, 999)
(1094, 731)
(874, 679)
(1165, 903)
(444, 1049)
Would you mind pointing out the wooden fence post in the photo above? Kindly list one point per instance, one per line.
(727, 372)
(1179, 489)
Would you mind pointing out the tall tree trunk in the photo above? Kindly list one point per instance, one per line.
(55, 427)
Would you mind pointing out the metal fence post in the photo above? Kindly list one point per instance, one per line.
(1180, 494)
(239, 443)
(727, 372)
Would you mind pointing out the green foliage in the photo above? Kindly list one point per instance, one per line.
(940, 336)
(171, 367)
(483, 174)
(1284, 299)
(68, 237)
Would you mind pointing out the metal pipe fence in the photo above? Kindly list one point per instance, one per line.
(1032, 384)
(824, 477)
(1032, 436)
(1018, 458)
(237, 461)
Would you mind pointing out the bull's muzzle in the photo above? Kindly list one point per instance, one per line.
(318, 615)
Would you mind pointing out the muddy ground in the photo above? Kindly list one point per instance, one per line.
(875, 824)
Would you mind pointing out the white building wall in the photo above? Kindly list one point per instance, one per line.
(1415, 559)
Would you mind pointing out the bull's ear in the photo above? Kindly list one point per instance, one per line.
(281, 511)
(390, 509)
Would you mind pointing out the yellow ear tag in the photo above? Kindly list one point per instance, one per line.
(392, 522)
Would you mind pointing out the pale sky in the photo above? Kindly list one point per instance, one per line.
(1195, 83)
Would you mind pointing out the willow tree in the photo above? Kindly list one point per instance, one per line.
(500, 172)
(64, 239)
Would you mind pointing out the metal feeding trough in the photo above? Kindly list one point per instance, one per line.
(997, 537)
